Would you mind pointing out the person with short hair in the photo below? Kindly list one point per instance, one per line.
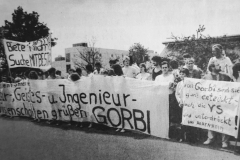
(157, 70)
(52, 74)
(99, 70)
(128, 70)
(193, 73)
(166, 76)
(59, 74)
(186, 57)
(217, 75)
(223, 61)
(143, 75)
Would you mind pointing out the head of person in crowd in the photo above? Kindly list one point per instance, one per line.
(89, 68)
(126, 61)
(79, 71)
(40, 74)
(184, 72)
(186, 56)
(74, 77)
(26, 73)
(236, 70)
(190, 63)
(33, 75)
(156, 61)
(217, 51)
(143, 68)
(4, 77)
(46, 74)
(117, 70)
(59, 73)
(112, 62)
(214, 68)
(70, 71)
(98, 66)
(165, 67)
(52, 72)
(174, 64)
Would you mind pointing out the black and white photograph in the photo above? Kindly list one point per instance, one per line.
(119, 80)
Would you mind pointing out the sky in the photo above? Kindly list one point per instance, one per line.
(118, 24)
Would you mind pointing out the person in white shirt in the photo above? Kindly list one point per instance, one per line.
(224, 62)
(143, 75)
(166, 76)
(128, 71)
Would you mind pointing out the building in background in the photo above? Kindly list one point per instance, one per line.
(71, 55)
(106, 54)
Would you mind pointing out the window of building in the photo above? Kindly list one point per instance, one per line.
(68, 66)
(67, 57)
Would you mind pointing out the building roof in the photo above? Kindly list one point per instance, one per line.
(230, 37)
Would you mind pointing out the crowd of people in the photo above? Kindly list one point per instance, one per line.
(162, 70)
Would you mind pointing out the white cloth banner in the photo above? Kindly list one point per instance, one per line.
(212, 105)
(35, 54)
(114, 101)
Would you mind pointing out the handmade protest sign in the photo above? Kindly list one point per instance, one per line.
(212, 105)
(113, 101)
(35, 54)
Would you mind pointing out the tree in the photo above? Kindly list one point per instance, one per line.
(138, 53)
(25, 27)
(199, 47)
(87, 55)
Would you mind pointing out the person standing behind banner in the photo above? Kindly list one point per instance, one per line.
(52, 74)
(117, 69)
(166, 75)
(128, 70)
(99, 70)
(193, 73)
(216, 75)
(157, 70)
(89, 70)
(224, 62)
(143, 75)
(185, 134)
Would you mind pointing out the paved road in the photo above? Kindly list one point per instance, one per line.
(22, 139)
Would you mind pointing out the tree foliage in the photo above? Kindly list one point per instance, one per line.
(88, 55)
(138, 53)
(25, 27)
(200, 47)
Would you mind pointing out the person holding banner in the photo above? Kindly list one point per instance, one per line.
(224, 62)
(215, 75)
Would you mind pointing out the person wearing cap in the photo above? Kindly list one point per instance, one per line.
(223, 61)
(128, 70)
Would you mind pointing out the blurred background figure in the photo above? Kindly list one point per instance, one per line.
(99, 70)
(117, 70)
(143, 75)
(89, 70)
